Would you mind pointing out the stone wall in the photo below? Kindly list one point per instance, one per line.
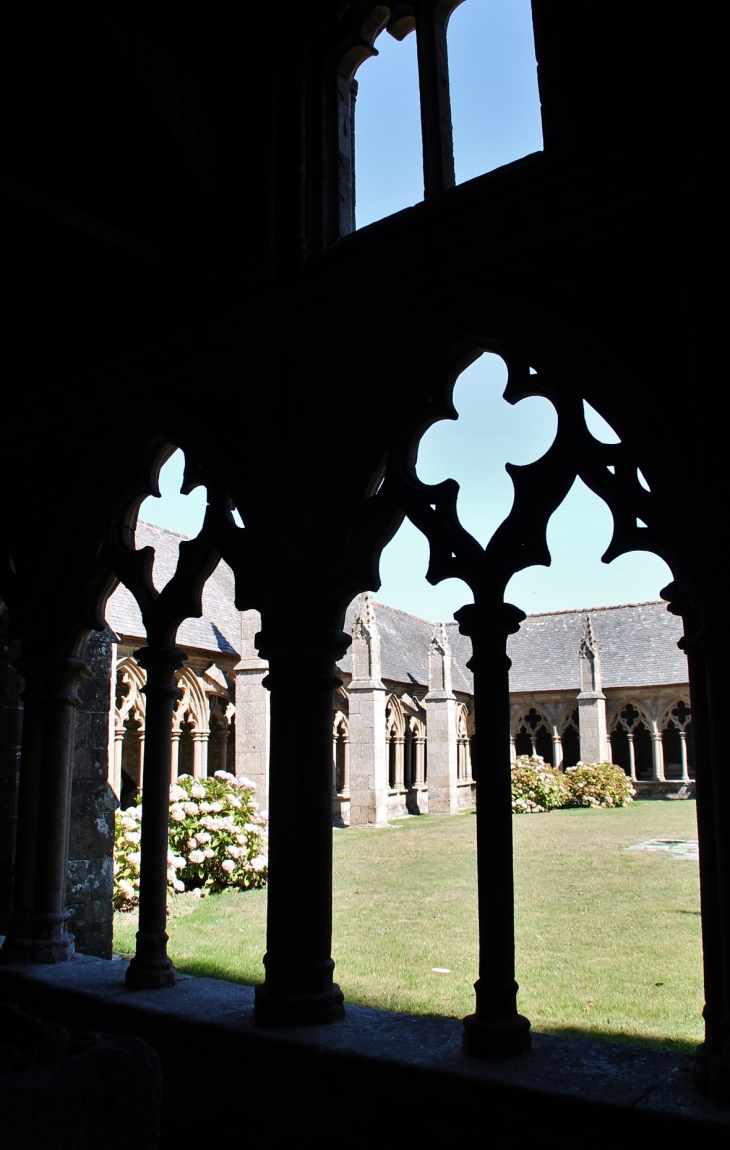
(11, 726)
(90, 881)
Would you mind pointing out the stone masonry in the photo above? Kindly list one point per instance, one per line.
(252, 711)
(440, 703)
(368, 762)
(90, 882)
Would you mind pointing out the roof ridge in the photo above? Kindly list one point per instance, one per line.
(166, 530)
(399, 611)
(592, 610)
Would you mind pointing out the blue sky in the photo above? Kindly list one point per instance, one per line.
(495, 111)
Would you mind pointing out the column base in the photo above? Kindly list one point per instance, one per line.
(711, 1074)
(298, 1009)
(151, 968)
(38, 939)
(484, 1038)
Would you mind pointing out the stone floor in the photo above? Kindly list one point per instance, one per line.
(374, 1072)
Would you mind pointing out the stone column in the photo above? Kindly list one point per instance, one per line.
(440, 704)
(632, 755)
(174, 753)
(151, 968)
(335, 742)
(399, 743)
(557, 750)
(368, 759)
(704, 643)
(683, 750)
(116, 782)
(252, 711)
(140, 741)
(495, 1030)
(299, 989)
(657, 754)
(200, 754)
(420, 781)
(594, 744)
(345, 767)
(37, 932)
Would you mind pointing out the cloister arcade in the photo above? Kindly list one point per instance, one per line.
(202, 731)
(177, 226)
(651, 739)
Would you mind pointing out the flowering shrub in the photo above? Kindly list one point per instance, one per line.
(217, 839)
(598, 785)
(536, 786)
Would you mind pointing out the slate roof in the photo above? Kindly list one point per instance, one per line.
(637, 642)
(404, 643)
(219, 628)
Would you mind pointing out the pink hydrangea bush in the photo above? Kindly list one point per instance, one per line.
(217, 839)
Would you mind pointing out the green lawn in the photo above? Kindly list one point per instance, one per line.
(608, 940)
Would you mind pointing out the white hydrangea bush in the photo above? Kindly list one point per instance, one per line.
(217, 839)
(598, 785)
(536, 787)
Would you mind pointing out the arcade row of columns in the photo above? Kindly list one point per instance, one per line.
(363, 737)
(596, 739)
(192, 706)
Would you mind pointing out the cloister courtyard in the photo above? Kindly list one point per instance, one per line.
(608, 938)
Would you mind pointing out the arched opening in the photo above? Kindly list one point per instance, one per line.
(493, 78)
(395, 741)
(570, 739)
(532, 735)
(631, 742)
(676, 731)
(179, 515)
(387, 129)
(574, 659)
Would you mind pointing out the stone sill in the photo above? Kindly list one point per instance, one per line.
(202, 1027)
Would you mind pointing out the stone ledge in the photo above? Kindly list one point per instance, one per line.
(412, 1065)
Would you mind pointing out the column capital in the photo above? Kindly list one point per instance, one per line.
(52, 678)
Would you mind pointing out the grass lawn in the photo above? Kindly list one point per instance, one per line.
(608, 940)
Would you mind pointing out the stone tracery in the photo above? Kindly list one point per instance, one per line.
(531, 300)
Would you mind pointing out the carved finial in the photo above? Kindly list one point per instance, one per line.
(590, 661)
(365, 641)
(588, 641)
(439, 640)
(364, 615)
(439, 660)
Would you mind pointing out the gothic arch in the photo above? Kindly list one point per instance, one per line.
(394, 718)
(341, 752)
(463, 743)
(569, 733)
(617, 718)
(677, 712)
(129, 729)
(221, 721)
(675, 724)
(197, 710)
(395, 740)
(532, 732)
(631, 733)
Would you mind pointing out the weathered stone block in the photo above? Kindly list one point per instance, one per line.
(88, 880)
